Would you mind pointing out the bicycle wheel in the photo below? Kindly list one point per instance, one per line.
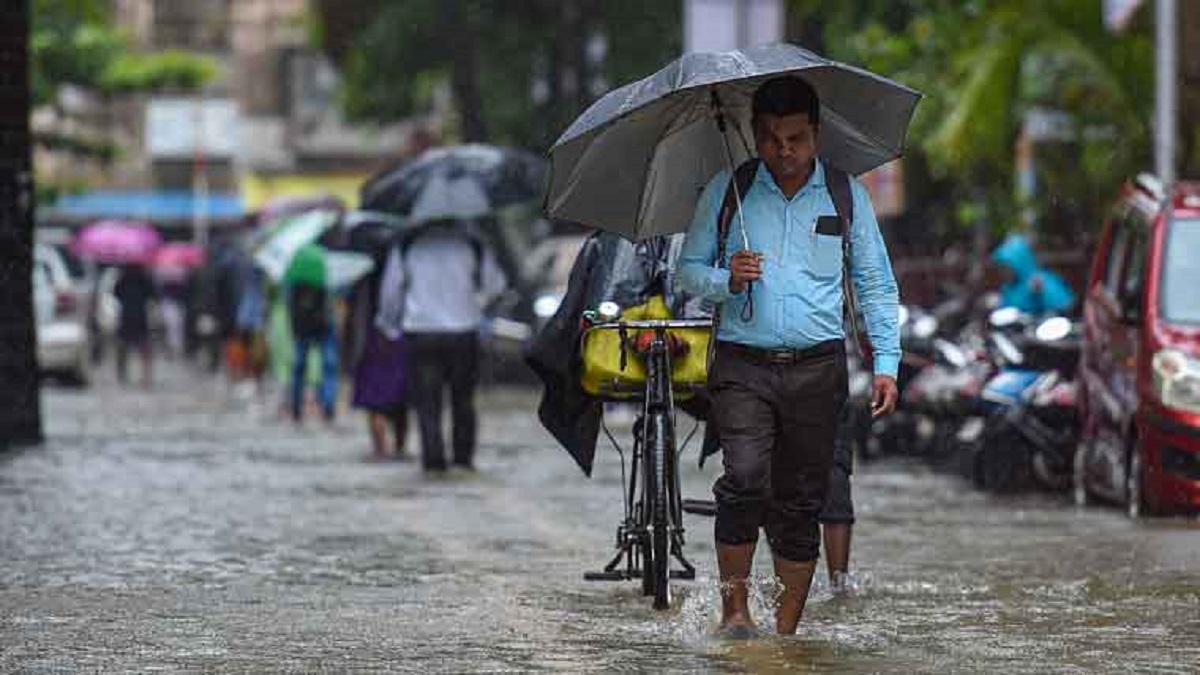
(658, 446)
(644, 505)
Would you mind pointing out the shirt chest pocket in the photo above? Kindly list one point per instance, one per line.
(825, 249)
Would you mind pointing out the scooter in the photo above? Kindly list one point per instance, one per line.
(934, 372)
(1029, 427)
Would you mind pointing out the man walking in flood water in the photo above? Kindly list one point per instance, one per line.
(778, 380)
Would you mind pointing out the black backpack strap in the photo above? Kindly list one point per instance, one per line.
(838, 184)
(741, 179)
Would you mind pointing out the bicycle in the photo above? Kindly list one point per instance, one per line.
(652, 532)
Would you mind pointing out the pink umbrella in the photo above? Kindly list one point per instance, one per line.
(117, 242)
(176, 260)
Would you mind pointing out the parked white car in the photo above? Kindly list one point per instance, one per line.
(60, 309)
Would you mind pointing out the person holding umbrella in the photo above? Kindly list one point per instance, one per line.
(448, 258)
(311, 310)
(779, 380)
(134, 291)
(807, 248)
(430, 295)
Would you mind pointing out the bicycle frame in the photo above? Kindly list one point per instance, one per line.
(652, 532)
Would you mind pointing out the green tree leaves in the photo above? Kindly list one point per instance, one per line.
(518, 72)
(74, 42)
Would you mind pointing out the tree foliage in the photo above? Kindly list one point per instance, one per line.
(518, 72)
(170, 70)
(71, 42)
(983, 65)
(74, 42)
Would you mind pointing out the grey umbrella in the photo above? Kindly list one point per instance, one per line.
(635, 162)
(462, 181)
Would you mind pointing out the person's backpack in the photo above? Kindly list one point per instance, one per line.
(837, 182)
(309, 307)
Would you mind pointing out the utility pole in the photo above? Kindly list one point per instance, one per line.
(720, 25)
(1165, 96)
(20, 405)
(199, 176)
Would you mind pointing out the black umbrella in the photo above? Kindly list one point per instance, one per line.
(369, 232)
(458, 182)
(636, 160)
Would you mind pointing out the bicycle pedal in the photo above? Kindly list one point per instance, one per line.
(687, 575)
(614, 575)
(700, 507)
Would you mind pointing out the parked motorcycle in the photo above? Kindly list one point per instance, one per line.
(934, 373)
(1025, 433)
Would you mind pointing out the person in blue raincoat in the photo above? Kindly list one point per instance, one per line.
(1031, 289)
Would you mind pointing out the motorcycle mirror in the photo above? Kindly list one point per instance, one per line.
(1053, 329)
(925, 327)
(546, 305)
(1004, 317)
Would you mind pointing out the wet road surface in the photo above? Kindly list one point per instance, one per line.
(188, 529)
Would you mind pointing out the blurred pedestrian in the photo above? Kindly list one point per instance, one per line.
(380, 382)
(1030, 287)
(250, 322)
(837, 514)
(134, 291)
(311, 309)
(206, 311)
(380, 374)
(431, 291)
(172, 307)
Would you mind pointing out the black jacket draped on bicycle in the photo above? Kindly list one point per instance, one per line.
(608, 268)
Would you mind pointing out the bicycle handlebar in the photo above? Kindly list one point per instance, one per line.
(652, 324)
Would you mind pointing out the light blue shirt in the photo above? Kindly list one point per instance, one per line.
(798, 301)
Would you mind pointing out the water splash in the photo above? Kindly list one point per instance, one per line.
(700, 610)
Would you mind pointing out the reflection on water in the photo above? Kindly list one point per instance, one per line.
(172, 530)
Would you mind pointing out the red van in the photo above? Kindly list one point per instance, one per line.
(1140, 368)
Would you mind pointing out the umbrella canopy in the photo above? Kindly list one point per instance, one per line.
(117, 242)
(176, 260)
(458, 182)
(370, 232)
(316, 266)
(179, 254)
(635, 162)
(343, 268)
(274, 255)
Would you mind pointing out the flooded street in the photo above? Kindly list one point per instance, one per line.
(191, 530)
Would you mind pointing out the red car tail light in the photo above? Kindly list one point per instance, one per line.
(64, 303)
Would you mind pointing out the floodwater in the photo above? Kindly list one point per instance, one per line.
(188, 529)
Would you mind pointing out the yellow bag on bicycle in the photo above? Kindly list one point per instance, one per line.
(604, 376)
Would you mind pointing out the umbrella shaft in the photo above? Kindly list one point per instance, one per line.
(737, 194)
(748, 307)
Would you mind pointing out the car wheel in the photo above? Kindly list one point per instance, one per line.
(79, 378)
(1079, 476)
(80, 375)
